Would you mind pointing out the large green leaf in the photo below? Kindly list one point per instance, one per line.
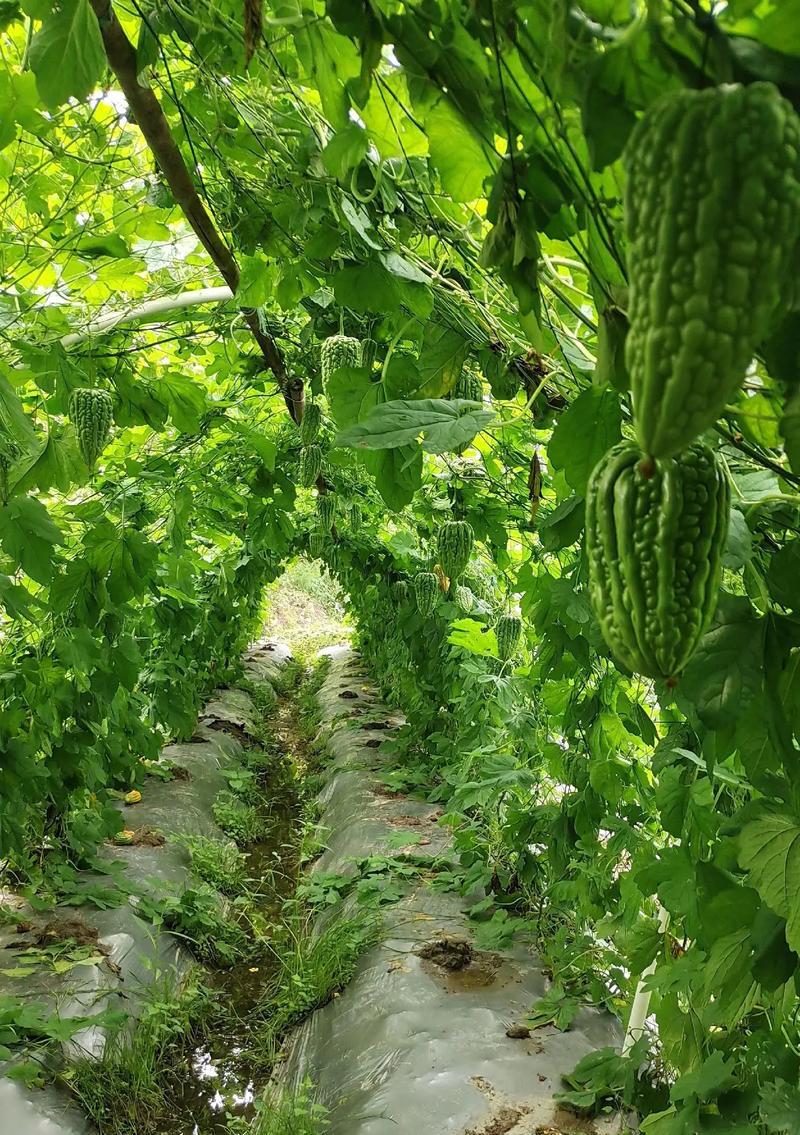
(67, 54)
(769, 848)
(585, 431)
(440, 425)
(726, 672)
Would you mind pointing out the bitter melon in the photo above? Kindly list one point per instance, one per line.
(339, 351)
(310, 465)
(9, 452)
(426, 591)
(712, 214)
(401, 592)
(311, 423)
(464, 598)
(326, 508)
(455, 547)
(316, 544)
(369, 351)
(654, 545)
(469, 387)
(508, 629)
(91, 411)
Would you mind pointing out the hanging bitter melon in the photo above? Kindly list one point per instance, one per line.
(339, 351)
(508, 630)
(326, 509)
(91, 411)
(455, 547)
(311, 423)
(654, 545)
(712, 215)
(426, 591)
(310, 465)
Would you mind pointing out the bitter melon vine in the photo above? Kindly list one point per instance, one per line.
(712, 211)
(91, 411)
(654, 544)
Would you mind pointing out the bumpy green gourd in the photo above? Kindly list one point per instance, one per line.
(9, 452)
(654, 545)
(455, 547)
(354, 516)
(464, 598)
(426, 591)
(311, 423)
(712, 213)
(91, 411)
(469, 387)
(316, 544)
(369, 350)
(339, 351)
(507, 629)
(326, 508)
(310, 465)
(401, 592)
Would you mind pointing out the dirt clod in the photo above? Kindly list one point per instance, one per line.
(448, 951)
(500, 1124)
(518, 1032)
(348, 694)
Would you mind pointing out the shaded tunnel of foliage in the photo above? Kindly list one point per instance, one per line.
(443, 182)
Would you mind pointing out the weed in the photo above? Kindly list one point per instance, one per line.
(218, 862)
(238, 819)
(126, 1092)
(198, 916)
(312, 967)
(279, 1113)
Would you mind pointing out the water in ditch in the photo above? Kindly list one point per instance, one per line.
(224, 1075)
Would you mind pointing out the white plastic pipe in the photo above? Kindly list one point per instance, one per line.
(148, 310)
(641, 999)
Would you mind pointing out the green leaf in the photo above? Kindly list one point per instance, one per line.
(186, 400)
(707, 1082)
(783, 576)
(586, 429)
(441, 359)
(67, 54)
(125, 556)
(461, 158)
(780, 1107)
(29, 536)
(443, 425)
(57, 462)
(397, 473)
(92, 247)
(726, 672)
(474, 637)
(346, 150)
(351, 394)
(769, 848)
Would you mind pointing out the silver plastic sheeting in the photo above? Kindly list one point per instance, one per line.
(417, 1043)
(136, 953)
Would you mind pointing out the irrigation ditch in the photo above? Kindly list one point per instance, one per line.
(291, 956)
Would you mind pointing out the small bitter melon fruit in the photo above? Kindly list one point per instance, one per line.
(311, 423)
(426, 591)
(91, 411)
(508, 630)
(310, 465)
(326, 508)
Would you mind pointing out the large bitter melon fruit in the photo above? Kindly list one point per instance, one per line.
(455, 547)
(712, 214)
(654, 545)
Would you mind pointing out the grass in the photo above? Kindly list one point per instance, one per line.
(243, 822)
(127, 1092)
(218, 862)
(312, 967)
(215, 936)
(282, 1114)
